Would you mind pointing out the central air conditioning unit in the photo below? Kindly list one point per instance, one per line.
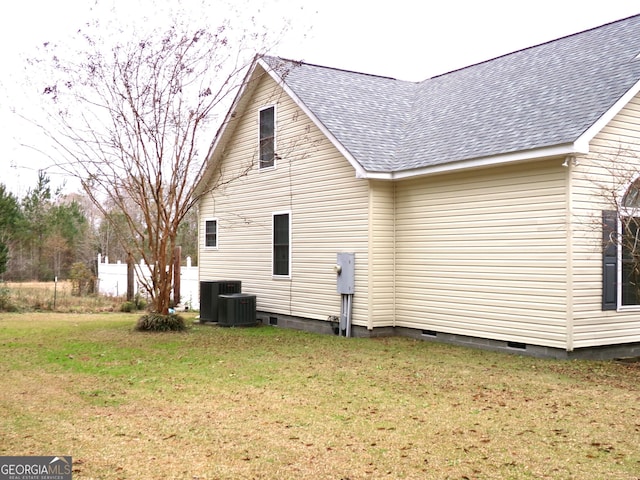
(209, 297)
(237, 310)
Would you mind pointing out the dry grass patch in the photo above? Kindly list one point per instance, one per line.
(266, 403)
(53, 296)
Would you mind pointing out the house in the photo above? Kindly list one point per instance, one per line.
(480, 206)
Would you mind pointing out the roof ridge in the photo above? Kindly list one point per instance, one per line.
(532, 47)
(302, 62)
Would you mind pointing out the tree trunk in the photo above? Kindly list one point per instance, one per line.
(177, 260)
(130, 277)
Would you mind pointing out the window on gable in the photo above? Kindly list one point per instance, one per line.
(267, 137)
(281, 244)
(211, 233)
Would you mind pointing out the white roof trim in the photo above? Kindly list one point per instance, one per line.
(360, 171)
(593, 130)
(547, 152)
(231, 113)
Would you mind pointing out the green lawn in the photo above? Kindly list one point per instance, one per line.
(266, 403)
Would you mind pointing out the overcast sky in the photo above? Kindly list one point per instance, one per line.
(405, 39)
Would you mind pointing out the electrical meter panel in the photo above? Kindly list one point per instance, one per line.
(346, 270)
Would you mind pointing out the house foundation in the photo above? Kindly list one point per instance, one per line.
(606, 352)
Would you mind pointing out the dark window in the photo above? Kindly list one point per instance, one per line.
(267, 137)
(629, 247)
(211, 233)
(281, 244)
(630, 261)
(625, 267)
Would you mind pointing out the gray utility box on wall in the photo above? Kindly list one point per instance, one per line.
(209, 297)
(237, 310)
(346, 264)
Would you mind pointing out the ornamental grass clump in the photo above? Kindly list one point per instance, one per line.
(155, 322)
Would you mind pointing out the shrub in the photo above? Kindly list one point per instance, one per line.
(6, 303)
(82, 279)
(140, 302)
(128, 307)
(154, 322)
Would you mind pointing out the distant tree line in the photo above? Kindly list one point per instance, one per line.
(47, 234)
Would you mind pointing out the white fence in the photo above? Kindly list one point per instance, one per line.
(112, 280)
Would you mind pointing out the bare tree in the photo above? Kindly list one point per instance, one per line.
(128, 122)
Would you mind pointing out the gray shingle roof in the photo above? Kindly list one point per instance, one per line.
(542, 96)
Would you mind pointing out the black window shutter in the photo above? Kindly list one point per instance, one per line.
(609, 260)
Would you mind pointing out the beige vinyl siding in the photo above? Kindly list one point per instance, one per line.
(614, 154)
(483, 253)
(382, 257)
(328, 207)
